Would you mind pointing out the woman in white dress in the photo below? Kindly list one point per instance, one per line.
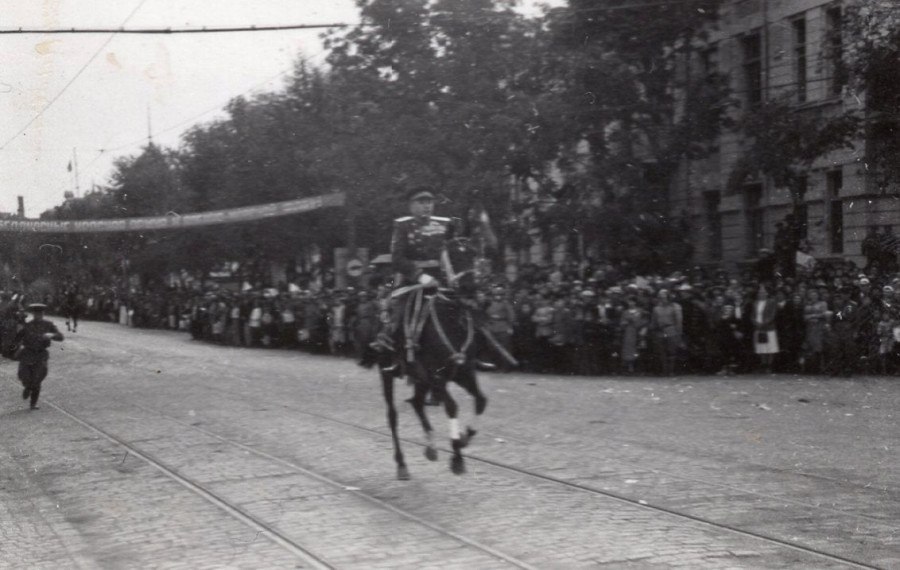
(765, 337)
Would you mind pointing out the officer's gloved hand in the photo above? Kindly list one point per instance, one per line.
(428, 281)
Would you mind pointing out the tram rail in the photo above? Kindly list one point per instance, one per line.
(303, 552)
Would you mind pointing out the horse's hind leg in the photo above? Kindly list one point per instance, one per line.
(457, 464)
(418, 404)
(387, 385)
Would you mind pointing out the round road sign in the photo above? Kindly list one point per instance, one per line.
(354, 268)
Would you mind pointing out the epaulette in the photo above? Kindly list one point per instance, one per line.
(403, 219)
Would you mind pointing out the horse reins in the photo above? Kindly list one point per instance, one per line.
(413, 322)
(452, 276)
(458, 357)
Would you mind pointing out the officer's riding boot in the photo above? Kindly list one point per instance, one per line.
(369, 357)
(384, 341)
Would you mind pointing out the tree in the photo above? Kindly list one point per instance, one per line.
(433, 93)
(872, 57)
(625, 92)
(784, 142)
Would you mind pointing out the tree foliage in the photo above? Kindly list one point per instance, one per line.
(583, 115)
(873, 60)
(784, 142)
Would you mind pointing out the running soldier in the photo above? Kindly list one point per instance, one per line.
(35, 338)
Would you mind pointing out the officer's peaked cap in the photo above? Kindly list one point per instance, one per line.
(37, 307)
(420, 193)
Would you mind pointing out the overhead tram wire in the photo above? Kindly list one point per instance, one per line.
(105, 151)
(72, 80)
(170, 31)
(287, 27)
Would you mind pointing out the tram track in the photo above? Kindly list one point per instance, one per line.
(305, 553)
(259, 525)
(569, 484)
(808, 550)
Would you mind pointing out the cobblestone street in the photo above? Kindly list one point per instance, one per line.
(154, 451)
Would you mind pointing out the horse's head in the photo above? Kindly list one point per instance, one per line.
(459, 265)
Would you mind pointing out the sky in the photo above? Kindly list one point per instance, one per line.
(176, 80)
(88, 99)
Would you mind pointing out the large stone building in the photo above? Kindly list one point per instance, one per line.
(770, 49)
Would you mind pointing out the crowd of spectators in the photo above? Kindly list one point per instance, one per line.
(828, 319)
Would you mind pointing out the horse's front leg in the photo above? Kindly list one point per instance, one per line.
(469, 383)
(387, 385)
(420, 390)
(457, 463)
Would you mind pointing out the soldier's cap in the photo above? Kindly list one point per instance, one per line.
(36, 307)
(420, 193)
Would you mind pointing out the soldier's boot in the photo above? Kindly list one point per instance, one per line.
(369, 356)
(35, 394)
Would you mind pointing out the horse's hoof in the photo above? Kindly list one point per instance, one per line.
(402, 473)
(431, 453)
(457, 465)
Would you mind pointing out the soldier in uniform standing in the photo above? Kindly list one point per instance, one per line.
(9, 323)
(35, 338)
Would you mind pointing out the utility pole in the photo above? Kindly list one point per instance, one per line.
(75, 165)
(149, 126)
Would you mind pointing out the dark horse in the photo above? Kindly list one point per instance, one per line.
(438, 343)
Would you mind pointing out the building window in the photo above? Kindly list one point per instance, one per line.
(751, 45)
(834, 183)
(799, 29)
(713, 224)
(755, 219)
(835, 50)
(801, 213)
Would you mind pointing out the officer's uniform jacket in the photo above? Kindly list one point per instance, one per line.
(416, 246)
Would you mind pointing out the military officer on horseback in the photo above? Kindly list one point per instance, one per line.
(430, 333)
(417, 243)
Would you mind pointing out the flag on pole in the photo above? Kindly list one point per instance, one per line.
(805, 261)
